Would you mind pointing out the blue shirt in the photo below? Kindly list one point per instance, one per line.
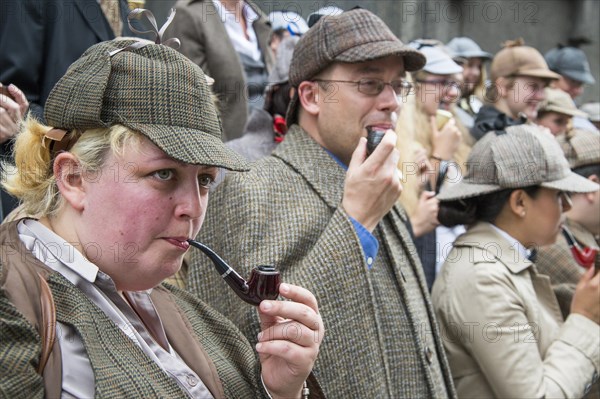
(369, 243)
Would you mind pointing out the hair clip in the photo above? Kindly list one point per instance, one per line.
(138, 13)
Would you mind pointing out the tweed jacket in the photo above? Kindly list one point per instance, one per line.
(204, 40)
(558, 263)
(204, 339)
(382, 340)
(502, 327)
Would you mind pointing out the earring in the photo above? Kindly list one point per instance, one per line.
(523, 214)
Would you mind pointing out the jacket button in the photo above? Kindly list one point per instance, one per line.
(192, 381)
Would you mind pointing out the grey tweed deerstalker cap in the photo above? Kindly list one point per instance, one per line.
(153, 90)
(522, 156)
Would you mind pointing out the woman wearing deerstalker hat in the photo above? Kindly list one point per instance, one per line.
(504, 333)
(119, 182)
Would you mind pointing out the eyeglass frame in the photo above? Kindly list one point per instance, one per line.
(406, 86)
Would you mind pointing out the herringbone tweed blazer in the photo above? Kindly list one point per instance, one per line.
(381, 337)
(204, 339)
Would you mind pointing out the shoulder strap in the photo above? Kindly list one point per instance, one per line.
(48, 323)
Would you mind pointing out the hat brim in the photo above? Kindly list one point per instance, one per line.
(579, 76)
(446, 67)
(463, 190)
(566, 111)
(413, 59)
(539, 73)
(191, 146)
(573, 183)
(475, 54)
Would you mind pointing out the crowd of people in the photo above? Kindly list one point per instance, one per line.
(458, 258)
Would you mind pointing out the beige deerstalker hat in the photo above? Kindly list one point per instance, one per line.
(517, 59)
(518, 157)
(581, 147)
(556, 100)
(154, 90)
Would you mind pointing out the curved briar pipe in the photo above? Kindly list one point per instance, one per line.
(263, 282)
(583, 256)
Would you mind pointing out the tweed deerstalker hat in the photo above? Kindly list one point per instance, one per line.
(556, 100)
(154, 90)
(353, 36)
(516, 59)
(521, 156)
(581, 147)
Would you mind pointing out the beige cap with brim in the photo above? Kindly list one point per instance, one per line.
(520, 156)
(521, 61)
(559, 101)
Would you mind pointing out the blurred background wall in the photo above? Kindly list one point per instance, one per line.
(542, 23)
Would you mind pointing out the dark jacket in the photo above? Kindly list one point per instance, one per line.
(489, 118)
(39, 39)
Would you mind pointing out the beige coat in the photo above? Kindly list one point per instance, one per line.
(502, 328)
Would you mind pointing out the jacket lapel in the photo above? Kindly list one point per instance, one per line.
(310, 160)
(92, 14)
(180, 335)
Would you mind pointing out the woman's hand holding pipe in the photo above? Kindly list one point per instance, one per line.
(289, 342)
(586, 300)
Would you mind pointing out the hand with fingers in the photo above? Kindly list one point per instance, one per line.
(586, 300)
(372, 184)
(444, 141)
(289, 342)
(425, 217)
(13, 106)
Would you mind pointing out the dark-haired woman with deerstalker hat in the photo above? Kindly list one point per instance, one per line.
(505, 335)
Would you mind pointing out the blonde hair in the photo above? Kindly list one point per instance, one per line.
(414, 132)
(32, 179)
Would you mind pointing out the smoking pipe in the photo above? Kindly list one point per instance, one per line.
(263, 282)
(374, 137)
(583, 256)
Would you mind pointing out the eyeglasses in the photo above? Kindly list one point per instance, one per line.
(441, 82)
(565, 199)
(373, 87)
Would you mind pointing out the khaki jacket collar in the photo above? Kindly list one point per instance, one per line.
(495, 248)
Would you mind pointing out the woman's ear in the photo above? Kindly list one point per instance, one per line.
(518, 202)
(69, 179)
(308, 94)
(502, 87)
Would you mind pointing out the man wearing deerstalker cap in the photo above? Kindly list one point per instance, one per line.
(326, 216)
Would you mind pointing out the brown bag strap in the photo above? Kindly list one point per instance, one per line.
(48, 325)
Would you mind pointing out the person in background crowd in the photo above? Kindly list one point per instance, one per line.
(321, 12)
(557, 111)
(284, 24)
(119, 183)
(519, 75)
(593, 112)
(327, 217)
(472, 58)
(582, 150)
(267, 127)
(573, 67)
(38, 42)
(424, 146)
(504, 333)
(13, 106)
(229, 40)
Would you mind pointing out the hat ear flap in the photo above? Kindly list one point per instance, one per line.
(87, 82)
